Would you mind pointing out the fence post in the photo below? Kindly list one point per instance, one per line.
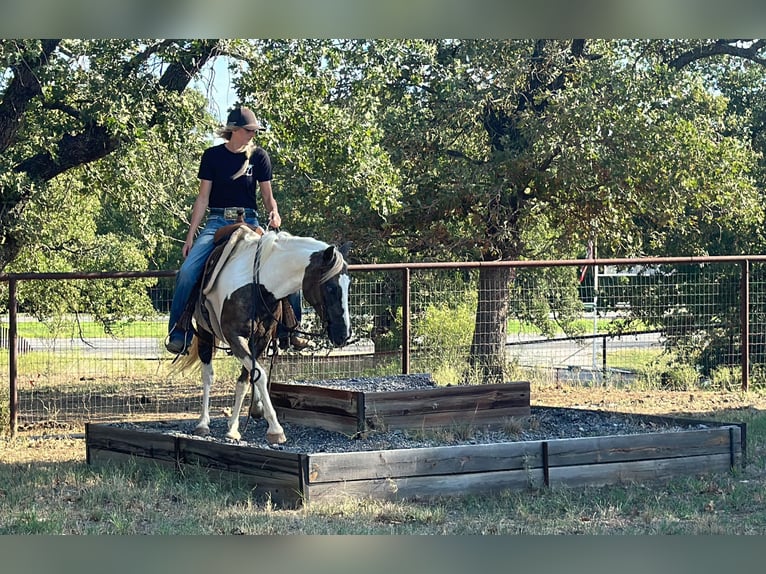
(744, 319)
(406, 321)
(13, 357)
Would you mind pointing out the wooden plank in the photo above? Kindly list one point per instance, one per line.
(282, 494)
(469, 398)
(98, 456)
(427, 486)
(443, 460)
(637, 471)
(279, 492)
(589, 450)
(343, 424)
(438, 471)
(137, 443)
(338, 410)
(276, 465)
(307, 397)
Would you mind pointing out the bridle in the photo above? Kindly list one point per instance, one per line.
(335, 268)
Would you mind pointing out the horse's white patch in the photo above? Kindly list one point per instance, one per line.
(345, 283)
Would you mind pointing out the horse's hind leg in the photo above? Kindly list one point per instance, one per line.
(203, 425)
(205, 353)
(239, 397)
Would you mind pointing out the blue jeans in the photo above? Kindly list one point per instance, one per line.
(192, 268)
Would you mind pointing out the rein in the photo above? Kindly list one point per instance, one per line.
(253, 321)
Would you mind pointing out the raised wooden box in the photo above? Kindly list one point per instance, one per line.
(353, 412)
(294, 478)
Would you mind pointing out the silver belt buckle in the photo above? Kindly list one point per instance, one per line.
(230, 212)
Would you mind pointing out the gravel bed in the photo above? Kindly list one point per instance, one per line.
(544, 423)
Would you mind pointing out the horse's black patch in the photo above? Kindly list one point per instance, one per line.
(322, 289)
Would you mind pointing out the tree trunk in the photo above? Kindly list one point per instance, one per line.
(489, 336)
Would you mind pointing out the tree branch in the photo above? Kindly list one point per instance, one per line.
(23, 87)
(719, 48)
(180, 73)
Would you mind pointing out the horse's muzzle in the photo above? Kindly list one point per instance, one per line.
(338, 335)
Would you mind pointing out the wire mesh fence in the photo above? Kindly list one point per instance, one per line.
(669, 324)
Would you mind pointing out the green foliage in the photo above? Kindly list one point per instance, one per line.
(99, 169)
(332, 176)
(443, 332)
(448, 326)
(110, 301)
(445, 149)
(726, 378)
(548, 299)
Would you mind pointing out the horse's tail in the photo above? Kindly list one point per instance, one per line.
(191, 359)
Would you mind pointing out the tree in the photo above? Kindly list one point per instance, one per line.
(66, 104)
(503, 150)
(100, 140)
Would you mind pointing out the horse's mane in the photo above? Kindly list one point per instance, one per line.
(337, 267)
(268, 241)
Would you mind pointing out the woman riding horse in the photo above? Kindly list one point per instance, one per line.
(229, 174)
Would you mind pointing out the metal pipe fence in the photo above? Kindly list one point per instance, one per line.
(76, 353)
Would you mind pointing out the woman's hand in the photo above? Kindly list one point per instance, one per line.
(187, 247)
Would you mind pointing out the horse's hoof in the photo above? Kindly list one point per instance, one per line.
(201, 431)
(277, 438)
(233, 436)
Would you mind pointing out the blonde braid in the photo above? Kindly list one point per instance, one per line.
(249, 149)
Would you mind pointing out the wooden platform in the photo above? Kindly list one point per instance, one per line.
(294, 478)
(353, 412)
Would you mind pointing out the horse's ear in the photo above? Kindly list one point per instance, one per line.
(345, 248)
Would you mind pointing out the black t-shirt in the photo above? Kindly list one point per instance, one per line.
(218, 164)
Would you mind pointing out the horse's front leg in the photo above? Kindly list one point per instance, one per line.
(256, 409)
(275, 434)
(203, 425)
(261, 404)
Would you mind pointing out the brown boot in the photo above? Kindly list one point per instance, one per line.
(298, 343)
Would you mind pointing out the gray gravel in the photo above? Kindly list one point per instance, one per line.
(544, 423)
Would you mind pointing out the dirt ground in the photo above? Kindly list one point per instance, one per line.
(58, 445)
(693, 404)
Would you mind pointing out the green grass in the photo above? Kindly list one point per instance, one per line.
(128, 498)
(633, 359)
(583, 326)
(89, 329)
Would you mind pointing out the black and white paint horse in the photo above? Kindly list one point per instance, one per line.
(239, 304)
